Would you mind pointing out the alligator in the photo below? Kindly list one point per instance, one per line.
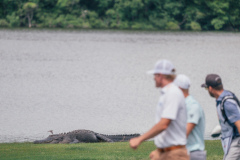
(85, 136)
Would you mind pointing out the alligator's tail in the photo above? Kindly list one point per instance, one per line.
(103, 138)
(121, 138)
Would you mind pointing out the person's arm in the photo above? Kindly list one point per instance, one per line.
(190, 127)
(155, 130)
(193, 116)
(237, 124)
(232, 113)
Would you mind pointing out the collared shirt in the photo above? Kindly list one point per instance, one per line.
(232, 111)
(195, 114)
(172, 106)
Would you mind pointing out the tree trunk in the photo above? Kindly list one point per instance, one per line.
(29, 20)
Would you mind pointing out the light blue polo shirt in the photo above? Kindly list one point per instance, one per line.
(195, 114)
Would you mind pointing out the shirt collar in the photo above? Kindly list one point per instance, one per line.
(188, 97)
(224, 93)
(165, 88)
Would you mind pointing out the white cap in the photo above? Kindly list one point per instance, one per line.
(182, 81)
(163, 67)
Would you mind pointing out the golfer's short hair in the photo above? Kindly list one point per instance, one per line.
(218, 88)
(170, 77)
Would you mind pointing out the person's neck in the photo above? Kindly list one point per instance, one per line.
(186, 94)
(165, 83)
(218, 93)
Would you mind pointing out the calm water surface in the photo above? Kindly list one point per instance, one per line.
(96, 80)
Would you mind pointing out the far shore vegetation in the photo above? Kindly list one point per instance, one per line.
(90, 151)
(193, 15)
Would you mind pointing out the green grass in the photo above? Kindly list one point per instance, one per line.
(214, 149)
(89, 151)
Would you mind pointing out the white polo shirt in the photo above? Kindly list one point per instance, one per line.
(172, 106)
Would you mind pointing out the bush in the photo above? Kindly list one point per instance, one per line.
(86, 25)
(148, 27)
(200, 15)
(4, 23)
(93, 20)
(49, 22)
(92, 15)
(172, 26)
(113, 24)
(218, 22)
(77, 23)
(72, 21)
(13, 20)
(96, 23)
(195, 26)
(142, 25)
(136, 25)
(158, 22)
(111, 14)
(60, 22)
(111, 18)
(46, 19)
(123, 25)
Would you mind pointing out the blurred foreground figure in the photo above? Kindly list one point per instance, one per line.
(169, 132)
(195, 121)
(228, 110)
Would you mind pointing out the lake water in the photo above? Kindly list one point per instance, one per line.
(66, 80)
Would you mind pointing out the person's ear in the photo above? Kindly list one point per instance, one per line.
(210, 88)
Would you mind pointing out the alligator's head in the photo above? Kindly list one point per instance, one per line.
(55, 138)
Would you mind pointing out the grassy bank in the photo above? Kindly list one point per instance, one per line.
(89, 151)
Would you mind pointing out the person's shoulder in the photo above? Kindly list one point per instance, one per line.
(226, 95)
(191, 99)
(230, 104)
(228, 99)
(175, 92)
(175, 89)
(193, 103)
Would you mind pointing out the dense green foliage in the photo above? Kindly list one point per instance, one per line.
(122, 14)
(113, 151)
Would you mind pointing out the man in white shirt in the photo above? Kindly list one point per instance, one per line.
(169, 132)
(195, 121)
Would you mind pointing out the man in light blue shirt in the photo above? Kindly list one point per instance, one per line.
(195, 121)
(228, 110)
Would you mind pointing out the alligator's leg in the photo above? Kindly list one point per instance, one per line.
(123, 139)
(55, 141)
(75, 141)
(66, 139)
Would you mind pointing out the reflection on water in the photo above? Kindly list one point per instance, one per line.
(96, 80)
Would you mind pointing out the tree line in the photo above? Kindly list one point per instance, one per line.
(122, 14)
